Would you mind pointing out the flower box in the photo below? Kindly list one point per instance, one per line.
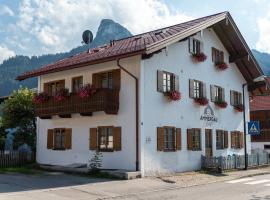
(239, 108)
(61, 94)
(201, 101)
(199, 57)
(87, 91)
(174, 95)
(222, 65)
(40, 98)
(221, 104)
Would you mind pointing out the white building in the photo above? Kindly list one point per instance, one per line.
(131, 118)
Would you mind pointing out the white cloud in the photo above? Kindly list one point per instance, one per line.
(5, 53)
(57, 25)
(5, 10)
(263, 44)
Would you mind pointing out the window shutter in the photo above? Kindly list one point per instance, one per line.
(62, 84)
(241, 138)
(68, 138)
(204, 90)
(233, 140)
(232, 97)
(160, 81)
(176, 82)
(50, 139)
(189, 139)
(223, 94)
(241, 98)
(190, 45)
(212, 91)
(46, 88)
(191, 88)
(96, 80)
(178, 139)
(93, 139)
(117, 138)
(160, 138)
(225, 139)
(213, 55)
(116, 79)
(221, 56)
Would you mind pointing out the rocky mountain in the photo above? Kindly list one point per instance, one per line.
(263, 60)
(11, 68)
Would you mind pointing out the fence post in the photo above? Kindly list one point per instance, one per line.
(220, 167)
(258, 159)
(235, 162)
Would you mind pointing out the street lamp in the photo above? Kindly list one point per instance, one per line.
(258, 79)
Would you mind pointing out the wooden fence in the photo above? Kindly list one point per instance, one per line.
(222, 163)
(15, 158)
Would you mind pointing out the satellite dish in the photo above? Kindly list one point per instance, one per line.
(87, 37)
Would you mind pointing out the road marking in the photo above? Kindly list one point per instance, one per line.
(241, 180)
(258, 182)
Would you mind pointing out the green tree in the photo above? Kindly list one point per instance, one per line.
(18, 112)
(2, 135)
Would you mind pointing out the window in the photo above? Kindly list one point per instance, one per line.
(108, 80)
(217, 93)
(221, 139)
(52, 87)
(105, 138)
(59, 138)
(194, 139)
(237, 139)
(197, 89)
(167, 82)
(77, 83)
(236, 98)
(169, 138)
(195, 46)
(217, 56)
(267, 146)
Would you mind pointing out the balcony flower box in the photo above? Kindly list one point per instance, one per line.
(201, 101)
(221, 104)
(174, 95)
(87, 91)
(239, 108)
(40, 98)
(61, 95)
(222, 66)
(199, 57)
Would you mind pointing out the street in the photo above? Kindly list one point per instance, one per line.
(67, 187)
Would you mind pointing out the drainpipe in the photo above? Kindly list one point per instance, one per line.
(137, 110)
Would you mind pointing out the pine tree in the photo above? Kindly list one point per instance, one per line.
(96, 162)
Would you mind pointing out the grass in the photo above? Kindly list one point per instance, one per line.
(21, 170)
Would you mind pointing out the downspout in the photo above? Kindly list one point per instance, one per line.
(137, 110)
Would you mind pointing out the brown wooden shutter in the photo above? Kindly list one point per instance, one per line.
(93, 145)
(46, 88)
(232, 97)
(160, 138)
(189, 139)
(117, 138)
(176, 82)
(241, 98)
(212, 91)
(213, 55)
(223, 94)
(96, 80)
(241, 138)
(61, 84)
(178, 139)
(191, 88)
(68, 138)
(50, 139)
(190, 45)
(222, 56)
(225, 139)
(204, 90)
(233, 140)
(160, 81)
(116, 75)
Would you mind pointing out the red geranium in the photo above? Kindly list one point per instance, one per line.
(222, 65)
(201, 101)
(239, 108)
(175, 95)
(221, 104)
(199, 57)
(40, 98)
(87, 91)
(61, 94)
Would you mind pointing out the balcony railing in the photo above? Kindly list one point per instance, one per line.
(106, 100)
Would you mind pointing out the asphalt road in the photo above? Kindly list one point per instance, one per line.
(66, 187)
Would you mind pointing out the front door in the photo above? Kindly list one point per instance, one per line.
(208, 143)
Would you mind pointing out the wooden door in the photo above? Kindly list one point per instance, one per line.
(208, 143)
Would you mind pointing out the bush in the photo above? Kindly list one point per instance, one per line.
(95, 162)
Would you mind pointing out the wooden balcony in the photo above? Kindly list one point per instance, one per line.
(106, 100)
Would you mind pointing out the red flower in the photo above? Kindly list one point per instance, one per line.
(221, 104)
(175, 95)
(87, 91)
(222, 65)
(40, 98)
(239, 108)
(61, 94)
(201, 101)
(199, 57)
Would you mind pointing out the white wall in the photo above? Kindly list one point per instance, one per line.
(259, 146)
(80, 153)
(159, 111)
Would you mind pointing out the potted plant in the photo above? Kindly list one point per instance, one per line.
(39, 98)
(222, 65)
(202, 101)
(239, 108)
(87, 91)
(199, 57)
(221, 103)
(174, 95)
(61, 94)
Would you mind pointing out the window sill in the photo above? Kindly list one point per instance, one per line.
(106, 150)
(58, 149)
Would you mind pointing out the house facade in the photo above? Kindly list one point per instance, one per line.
(155, 102)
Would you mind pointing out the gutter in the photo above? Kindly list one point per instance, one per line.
(137, 110)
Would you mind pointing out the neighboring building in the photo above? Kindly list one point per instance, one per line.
(154, 135)
(260, 111)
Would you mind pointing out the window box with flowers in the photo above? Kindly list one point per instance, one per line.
(174, 95)
(199, 57)
(195, 48)
(239, 108)
(218, 59)
(222, 65)
(202, 101)
(237, 101)
(86, 91)
(221, 104)
(197, 91)
(40, 98)
(61, 94)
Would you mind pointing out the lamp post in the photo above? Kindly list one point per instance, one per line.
(258, 79)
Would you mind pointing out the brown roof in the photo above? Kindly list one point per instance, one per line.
(153, 41)
(260, 103)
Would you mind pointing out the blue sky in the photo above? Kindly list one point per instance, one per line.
(35, 27)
